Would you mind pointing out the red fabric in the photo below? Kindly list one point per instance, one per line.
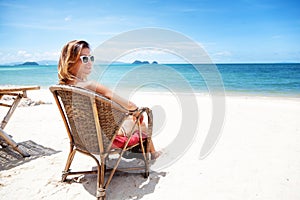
(141, 119)
(120, 141)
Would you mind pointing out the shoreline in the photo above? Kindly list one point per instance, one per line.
(294, 97)
(44, 96)
(227, 93)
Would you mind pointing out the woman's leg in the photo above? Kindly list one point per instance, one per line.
(154, 154)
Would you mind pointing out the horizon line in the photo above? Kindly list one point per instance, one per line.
(125, 63)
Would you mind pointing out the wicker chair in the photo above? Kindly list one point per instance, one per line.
(92, 122)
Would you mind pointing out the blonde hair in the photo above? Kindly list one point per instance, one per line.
(69, 56)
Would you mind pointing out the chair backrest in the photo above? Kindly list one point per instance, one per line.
(92, 121)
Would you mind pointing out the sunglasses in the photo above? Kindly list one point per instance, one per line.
(85, 59)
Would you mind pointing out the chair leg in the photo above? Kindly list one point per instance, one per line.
(68, 164)
(147, 167)
(146, 174)
(101, 194)
(147, 158)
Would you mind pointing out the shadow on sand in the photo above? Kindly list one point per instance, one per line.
(10, 158)
(124, 185)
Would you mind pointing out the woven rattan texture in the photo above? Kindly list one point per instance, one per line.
(78, 108)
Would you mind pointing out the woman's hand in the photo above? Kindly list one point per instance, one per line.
(132, 106)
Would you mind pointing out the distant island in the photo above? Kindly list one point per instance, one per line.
(143, 62)
(29, 63)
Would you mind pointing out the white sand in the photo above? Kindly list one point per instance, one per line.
(257, 156)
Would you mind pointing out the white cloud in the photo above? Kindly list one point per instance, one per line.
(68, 18)
(277, 36)
(222, 53)
(23, 56)
(150, 55)
(221, 56)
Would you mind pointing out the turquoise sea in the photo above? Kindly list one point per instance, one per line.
(244, 79)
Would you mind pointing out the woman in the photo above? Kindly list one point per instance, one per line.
(75, 64)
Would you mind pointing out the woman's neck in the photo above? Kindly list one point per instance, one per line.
(75, 81)
(79, 79)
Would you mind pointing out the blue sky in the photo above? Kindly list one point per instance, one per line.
(230, 31)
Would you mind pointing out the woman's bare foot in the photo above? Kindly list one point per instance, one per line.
(155, 155)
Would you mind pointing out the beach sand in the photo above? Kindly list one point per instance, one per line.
(256, 157)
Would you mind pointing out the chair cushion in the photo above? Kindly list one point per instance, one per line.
(120, 141)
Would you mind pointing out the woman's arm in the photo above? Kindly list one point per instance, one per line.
(101, 89)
